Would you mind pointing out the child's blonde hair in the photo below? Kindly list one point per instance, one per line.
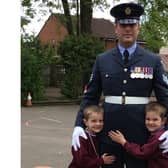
(90, 109)
(157, 108)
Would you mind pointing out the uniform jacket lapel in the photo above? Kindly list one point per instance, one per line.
(117, 57)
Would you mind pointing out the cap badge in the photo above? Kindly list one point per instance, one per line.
(128, 11)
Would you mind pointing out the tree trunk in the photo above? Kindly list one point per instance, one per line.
(77, 18)
(67, 16)
(85, 16)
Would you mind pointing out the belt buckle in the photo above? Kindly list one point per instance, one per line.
(123, 99)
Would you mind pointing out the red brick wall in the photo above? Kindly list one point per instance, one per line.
(53, 31)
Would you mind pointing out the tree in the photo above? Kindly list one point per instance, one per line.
(34, 58)
(86, 16)
(78, 54)
(67, 16)
(155, 23)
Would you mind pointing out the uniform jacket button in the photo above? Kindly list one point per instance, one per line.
(123, 93)
(125, 69)
(124, 81)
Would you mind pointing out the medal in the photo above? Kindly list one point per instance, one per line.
(145, 72)
(142, 73)
(150, 73)
(132, 75)
(135, 72)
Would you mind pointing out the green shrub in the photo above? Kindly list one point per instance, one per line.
(34, 58)
(78, 54)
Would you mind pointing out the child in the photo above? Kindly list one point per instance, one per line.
(155, 119)
(87, 155)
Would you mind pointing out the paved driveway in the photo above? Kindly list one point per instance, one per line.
(46, 135)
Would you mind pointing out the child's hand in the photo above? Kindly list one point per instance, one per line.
(108, 159)
(117, 137)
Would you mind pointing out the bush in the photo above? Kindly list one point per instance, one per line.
(34, 58)
(78, 54)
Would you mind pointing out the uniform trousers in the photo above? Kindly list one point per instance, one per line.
(129, 119)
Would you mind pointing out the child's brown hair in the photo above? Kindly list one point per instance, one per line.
(92, 108)
(156, 107)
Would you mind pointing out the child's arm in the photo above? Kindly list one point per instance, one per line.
(117, 137)
(146, 151)
(149, 150)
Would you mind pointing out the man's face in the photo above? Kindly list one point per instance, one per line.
(127, 33)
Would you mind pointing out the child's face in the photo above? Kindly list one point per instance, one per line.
(153, 121)
(94, 122)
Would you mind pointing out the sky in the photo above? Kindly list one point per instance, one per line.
(37, 23)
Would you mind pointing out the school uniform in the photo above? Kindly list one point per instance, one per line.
(86, 156)
(150, 151)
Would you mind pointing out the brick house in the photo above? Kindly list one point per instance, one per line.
(53, 31)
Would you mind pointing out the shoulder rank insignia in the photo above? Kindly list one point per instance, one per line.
(165, 78)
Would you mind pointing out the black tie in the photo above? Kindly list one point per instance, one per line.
(126, 55)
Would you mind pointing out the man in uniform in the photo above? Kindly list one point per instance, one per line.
(126, 75)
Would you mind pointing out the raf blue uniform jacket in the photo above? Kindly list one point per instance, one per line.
(112, 78)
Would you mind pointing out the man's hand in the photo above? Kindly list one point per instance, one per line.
(78, 131)
(164, 144)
